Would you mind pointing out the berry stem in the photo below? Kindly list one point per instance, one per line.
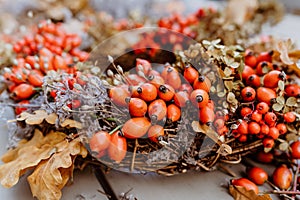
(115, 129)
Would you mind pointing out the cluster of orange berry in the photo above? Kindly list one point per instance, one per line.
(282, 176)
(181, 29)
(262, 78)
(155, 98)
(47, 47)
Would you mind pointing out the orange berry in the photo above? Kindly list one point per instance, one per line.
(256, 116)
(295, 150)
(199, 98)
(282, 177)
(157, 110)
(265, 56)
(253, 80)
(166, 92)
(292, 90)
(23, 91)
(248, 94)
(281, 128)
(206, 115)
(190, 74)
(289, 117)
(257, 175)
(268, 142)
(181, 99)
(154, 132)
(147, 92)
(264, 157)
(248, 71)
(246, 111)
(35, 78)
(157, 81)
(270, 118)
(118, 147)
(143, 65)
(272, 78)
(203, 83)
(266, 95)
(262, 107)
(118, 95)
(137, 107)
(219, 123)
(263, 67)
(274, 133)
(173, 113)
(253, 128)
(246, 183)
(264, 129)
(136, 127)
(243, 128)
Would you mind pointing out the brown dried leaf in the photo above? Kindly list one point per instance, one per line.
(197, 127)
(40, 115)
(28, 154)
(291, 101)
(241, 193)
(51, 119)
(71, 123)
(37, 117)
(50, 176)
(284, 47)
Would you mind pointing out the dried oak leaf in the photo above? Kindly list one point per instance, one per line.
(39, 116)
(27, 155)
(240, 193)
(224, 148)
(283, 47)
(51, 175)
(71, 123)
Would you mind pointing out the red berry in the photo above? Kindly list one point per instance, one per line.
(248, 94)
(246, 183)
(295, 150)
(282, 177)
(257, 175)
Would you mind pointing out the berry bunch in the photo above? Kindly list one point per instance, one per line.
(156, 98)
(178, 38)
(262, 113)
(48, 47)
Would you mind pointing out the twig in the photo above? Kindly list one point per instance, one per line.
(227, 170)
(278, 190)
(295, 181)
(133, 155)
